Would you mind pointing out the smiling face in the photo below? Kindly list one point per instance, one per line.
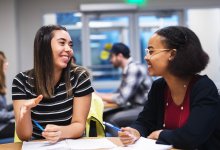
(159, 56)
(61, 45)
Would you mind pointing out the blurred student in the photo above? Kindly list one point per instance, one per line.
(133, 90)
(54, 93)
(6, 111)
(183, 107)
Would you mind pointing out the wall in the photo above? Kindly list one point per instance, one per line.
(30, 19)
(205, 23)
(8, 39)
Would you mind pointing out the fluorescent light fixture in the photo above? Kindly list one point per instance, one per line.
(97, 24)
(77, 26)
(106, 7)
(98, 37)
(78, 14)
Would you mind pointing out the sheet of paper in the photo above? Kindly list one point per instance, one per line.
(85, 144)
(70, 144)
(144, 143)
(44, 145)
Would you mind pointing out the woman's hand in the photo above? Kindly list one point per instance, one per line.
(154, 135)
(26, 107)
(22, 109)
(128, 135)
(52, 133)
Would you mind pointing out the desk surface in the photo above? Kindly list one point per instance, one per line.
(17, 146)
(110, 105)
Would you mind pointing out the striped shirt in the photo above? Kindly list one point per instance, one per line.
(56, 110)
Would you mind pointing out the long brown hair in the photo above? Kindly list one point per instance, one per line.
(2, 74)
(43, 63)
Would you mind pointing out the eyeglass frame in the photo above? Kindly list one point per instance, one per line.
(148, 51)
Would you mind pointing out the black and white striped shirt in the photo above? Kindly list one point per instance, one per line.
(56, 110)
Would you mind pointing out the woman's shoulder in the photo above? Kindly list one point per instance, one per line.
(204, 81)
(77, 70)
(204, 86)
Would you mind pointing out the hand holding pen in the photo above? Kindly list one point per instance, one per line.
(52, 133)
(128, 135)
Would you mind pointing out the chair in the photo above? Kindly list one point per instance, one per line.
(94, 122)
(16, 138)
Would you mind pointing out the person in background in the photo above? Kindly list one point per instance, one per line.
(54, 93)
(6, 111)
(132, 92)
(183, 107)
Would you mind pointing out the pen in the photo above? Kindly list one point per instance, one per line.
(38, 125)
(111, 126)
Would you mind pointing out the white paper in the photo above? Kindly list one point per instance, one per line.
(44, 145)
(144, 144)
(85, 144)
(70, 144)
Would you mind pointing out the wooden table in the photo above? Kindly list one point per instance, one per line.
(11, 146)
(18, 146)
(109, 106)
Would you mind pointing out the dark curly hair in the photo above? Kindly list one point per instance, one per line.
(190, 57)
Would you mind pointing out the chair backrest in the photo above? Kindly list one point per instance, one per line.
(16, 138)
(94, 122)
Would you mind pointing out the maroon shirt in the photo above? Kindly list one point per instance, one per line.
(175, 116)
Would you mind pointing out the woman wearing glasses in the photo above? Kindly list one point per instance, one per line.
(183, 107)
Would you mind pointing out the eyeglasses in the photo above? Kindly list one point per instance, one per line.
(152, 52)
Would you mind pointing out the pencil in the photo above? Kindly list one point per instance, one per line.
(111, 126)
(38, 125)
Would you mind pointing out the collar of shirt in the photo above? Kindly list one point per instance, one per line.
(130, 60)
